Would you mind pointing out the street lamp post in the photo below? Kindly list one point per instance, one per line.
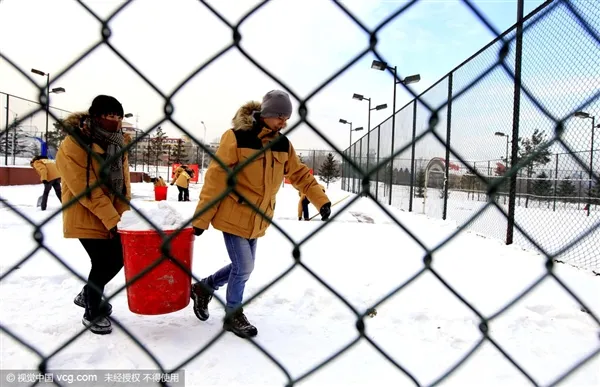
(382, 66)
(582, 114)
(56, 90)
(343, 121)
(361, 97)
(501, 134)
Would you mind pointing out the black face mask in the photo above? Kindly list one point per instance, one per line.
(109, 125)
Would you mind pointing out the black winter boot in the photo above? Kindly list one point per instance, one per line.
(93, 318)
(239, 325)
(105, 307)
(201, 297)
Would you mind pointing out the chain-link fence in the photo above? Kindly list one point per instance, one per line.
(549, 203)
(424, 153)
(24, 138)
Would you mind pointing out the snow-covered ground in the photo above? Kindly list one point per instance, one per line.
(551, 229)
(362, 254)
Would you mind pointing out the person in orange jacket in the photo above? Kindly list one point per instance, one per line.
(254, 126)
(303, 205)
(49, 176)
(183, 183)
(158, 181)
(94, 209)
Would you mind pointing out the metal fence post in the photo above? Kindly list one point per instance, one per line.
(448, 131)
(360, 165)
(516, 116)
(6, 132)
(393, 135)
(412, 157)
(377, 164)
(555, 182)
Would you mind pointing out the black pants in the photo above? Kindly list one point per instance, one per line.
(107, 260)
(47, 187)
(305, 203)
(184, 194)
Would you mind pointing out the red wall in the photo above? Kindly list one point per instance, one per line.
(27, 175)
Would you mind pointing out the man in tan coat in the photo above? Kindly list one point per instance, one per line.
(255, 125)
(49, 176)
(182, 181)
(92, 208)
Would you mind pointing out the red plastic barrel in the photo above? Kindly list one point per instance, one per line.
(160, 193)
(166, 287)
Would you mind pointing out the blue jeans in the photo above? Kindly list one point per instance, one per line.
(242, 253)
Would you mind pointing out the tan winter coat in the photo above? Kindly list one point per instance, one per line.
(183, 179)
(89, 216)
(258, 182)
(177, 173)
(46, 169)
(159, 182)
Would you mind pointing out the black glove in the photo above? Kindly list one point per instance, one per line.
(325, 211)
(113, 232)
(45, 181)
(198, 231)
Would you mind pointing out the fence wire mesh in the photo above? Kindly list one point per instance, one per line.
(555, 162)
(441, 123)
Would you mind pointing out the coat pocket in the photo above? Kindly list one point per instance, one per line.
(280, 160)
(252, 174)
(237, 212)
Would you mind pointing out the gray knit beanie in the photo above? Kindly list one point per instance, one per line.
(276, 103)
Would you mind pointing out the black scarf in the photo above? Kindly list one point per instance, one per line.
(112, 142)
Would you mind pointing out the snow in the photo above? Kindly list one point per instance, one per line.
(551, 228)
(157, 215)
(362, 255)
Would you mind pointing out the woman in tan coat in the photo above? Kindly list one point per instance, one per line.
(182, 181)
(49, 176)
(95, 195)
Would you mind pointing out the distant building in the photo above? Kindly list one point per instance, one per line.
(192, 151)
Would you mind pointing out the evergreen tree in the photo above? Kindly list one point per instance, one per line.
(14, 141)
(386, 173)
(179, 153)
(595, 193)
(543, 186)
(329, 170)
(56, 136)
(420, 183)
(533, 145)
(156, 148)
(566, 189)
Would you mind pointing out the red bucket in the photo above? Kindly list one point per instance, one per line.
(160, 193)
(166, 287)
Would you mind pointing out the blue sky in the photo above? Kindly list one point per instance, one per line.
(302, 42)
(560, 66)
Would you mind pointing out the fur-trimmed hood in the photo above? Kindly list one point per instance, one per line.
(244, 117)
(74, 121)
